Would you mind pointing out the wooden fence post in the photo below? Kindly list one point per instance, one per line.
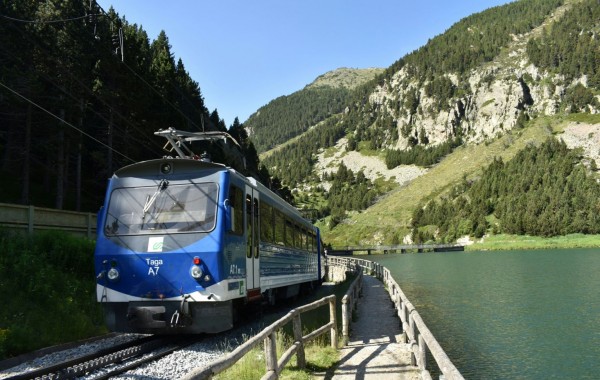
(271, 353)
(300, 357)
(422, 353)
(345, 321)
(411, 335)
(332, 319)
(401, 316)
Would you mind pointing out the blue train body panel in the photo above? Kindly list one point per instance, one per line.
(182, 243)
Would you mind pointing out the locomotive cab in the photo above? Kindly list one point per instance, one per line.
(159, 247)
(182, 243)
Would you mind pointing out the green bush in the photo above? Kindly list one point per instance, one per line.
(47, 291)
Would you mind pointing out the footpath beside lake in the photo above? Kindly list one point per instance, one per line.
(375, 349)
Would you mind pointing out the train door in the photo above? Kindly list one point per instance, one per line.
(252, 248)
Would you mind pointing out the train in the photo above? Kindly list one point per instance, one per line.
(185, 244)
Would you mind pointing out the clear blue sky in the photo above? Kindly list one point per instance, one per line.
(245, 53)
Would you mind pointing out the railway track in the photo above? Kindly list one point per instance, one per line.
(133, 356)
(136, 352)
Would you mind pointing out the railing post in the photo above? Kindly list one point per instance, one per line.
(89, 225)
(345, 319)
(405, 325)
(400, 307)
(30, 216)
(422, 353)
(300, 357)
(271, 353)
(412, 341)
(332, 319)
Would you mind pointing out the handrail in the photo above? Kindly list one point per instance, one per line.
(415, 331)
(31, 219)
(349, 302)
(395, 247)
(268, 336)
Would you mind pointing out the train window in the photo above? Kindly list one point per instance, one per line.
(297, 236)
(266, 222)
(289, 233)
(248, 205)
(305, 245)
(256, 226)
(249, 225)
(163, 209)
(279, 228)
(236, 200)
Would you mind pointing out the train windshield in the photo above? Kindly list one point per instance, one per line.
(163, 209)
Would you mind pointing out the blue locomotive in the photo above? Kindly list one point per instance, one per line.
(183, 244)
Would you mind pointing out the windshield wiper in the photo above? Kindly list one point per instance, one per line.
(150, 201)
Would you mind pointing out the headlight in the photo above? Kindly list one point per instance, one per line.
(166, 168)
(196, 272)
(113, 274)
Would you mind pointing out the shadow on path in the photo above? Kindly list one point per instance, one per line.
(374, 351)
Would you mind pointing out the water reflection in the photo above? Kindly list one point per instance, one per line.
(517, 314)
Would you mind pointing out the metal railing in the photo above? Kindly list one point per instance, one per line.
(31, 219)
(415, 331)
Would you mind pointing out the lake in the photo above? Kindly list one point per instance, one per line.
(508, 314)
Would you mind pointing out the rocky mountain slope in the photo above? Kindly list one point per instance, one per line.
(495, 99)
(346, 78)
(289, 116)
(497, 94)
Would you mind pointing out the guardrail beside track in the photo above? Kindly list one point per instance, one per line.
(31, 218)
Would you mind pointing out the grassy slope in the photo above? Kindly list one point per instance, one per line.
(388, 221)
(509, 242)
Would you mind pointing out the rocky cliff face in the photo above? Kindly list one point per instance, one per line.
(493, 98)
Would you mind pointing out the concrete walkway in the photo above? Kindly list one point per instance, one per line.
(375, 350)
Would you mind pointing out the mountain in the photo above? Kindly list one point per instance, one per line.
(288, 116)
(345, 78)
(493, 84)
(488, 96)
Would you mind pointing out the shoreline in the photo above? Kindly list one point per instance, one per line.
(523, 242)
(526, 242)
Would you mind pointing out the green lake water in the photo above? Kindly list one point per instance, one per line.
(509, 315)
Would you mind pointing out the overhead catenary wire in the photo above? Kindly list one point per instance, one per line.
(120, 37)
(83, 86)
(199, 110)
(99, 115)
(64, 121)
(74, 95)
(50, 21)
